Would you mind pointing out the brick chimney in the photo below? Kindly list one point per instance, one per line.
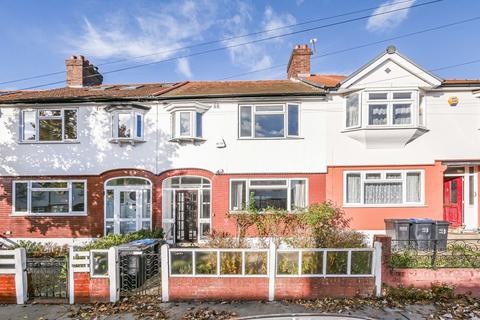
(80, 73)
(299, 63)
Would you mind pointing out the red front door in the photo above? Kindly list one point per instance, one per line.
(453, 201)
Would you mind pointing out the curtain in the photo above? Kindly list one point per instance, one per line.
(352, 110)
(413, 187)
(353, 188)
(298, 194)
(377, 114)
(383, 193)
(402, 113)
(238, 192)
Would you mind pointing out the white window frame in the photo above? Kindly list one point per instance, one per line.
(37, 124)
(383, 179)
(288, 186)
(133, 125)
(254, 112)
(389, 102)
(360, 116)
(29, 198)
(175, 123)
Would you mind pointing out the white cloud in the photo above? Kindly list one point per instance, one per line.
(183, 67)
(256, 55)
(155, 35)
(390, 20)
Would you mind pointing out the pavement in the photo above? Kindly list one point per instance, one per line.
(241, 309)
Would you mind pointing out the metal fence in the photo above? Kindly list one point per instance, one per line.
(454, 253)
(140, 273)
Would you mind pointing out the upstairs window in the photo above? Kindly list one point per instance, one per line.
(269, 121)
(384, 188)
(127, 125)
(187, 125)
(353, 111)
(49, 197)
(390, 108)
(283, 194)
(49, 125)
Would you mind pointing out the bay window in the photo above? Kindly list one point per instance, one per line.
(391, 108)
(261, 194)
(49, 197)
(127, 125)
(269, 121)
(353, 111)
(186, 124)
(384, 188)
(49, 125)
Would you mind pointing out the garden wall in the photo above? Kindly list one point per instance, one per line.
(209, 288)
(90, 290)
(465, 280)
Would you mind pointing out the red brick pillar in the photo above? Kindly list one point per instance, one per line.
(386, 242)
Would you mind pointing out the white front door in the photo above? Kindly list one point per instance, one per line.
(127, 209)
(470, 199)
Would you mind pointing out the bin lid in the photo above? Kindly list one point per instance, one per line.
(397, 220)
(138, 244)
(421, 220)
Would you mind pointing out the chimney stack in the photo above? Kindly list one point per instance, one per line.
(80, 73)
(299, 63)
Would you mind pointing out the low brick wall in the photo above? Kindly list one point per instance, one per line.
(465, 280)
(90, 290)
(7, 289)
(227, 288)
(313, 288)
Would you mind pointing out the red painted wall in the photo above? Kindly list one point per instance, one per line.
(234, 288)
(372, 218)
(90, 290)
(8, 293)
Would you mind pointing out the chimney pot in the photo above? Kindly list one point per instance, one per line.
(81, 73)
(299, 63)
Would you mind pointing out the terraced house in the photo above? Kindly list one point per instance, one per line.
(390, 140)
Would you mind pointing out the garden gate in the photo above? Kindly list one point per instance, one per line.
(48, 279)
(140, 273)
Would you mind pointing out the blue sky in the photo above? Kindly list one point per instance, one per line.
(37, 36)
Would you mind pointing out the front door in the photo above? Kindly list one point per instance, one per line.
(453, 201)
(127, 210)
(186, 208)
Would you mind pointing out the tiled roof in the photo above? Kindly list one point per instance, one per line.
(94, 92)
(239, 88)
(458, 82)
(327, 80)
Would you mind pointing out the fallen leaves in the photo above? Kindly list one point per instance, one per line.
(208, 314)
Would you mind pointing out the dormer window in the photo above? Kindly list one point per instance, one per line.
(127, 124)
(187, 121)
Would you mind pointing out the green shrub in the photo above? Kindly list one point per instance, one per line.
(35, 249)
(112, 240)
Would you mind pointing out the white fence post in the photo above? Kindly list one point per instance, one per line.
(165, 270)
(71, 285)
(114, 274)
(377, 263)
(21, 275)
(272, 266)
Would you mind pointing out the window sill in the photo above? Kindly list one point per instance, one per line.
(40, 215)
(370, 206)
(187, 139)
(131, 141)
(273, 138)
(50, 142)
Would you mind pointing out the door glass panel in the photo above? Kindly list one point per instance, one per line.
(146, 225)
(109, 204)
(453, 191)
(471, 190)
(109, 227)
(128, 204)
(127, 226)
(146, 204)
(206, 204)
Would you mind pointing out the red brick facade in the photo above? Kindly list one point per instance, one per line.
(92, 224)
(90, 290)
(7, 288)
(206, 288)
